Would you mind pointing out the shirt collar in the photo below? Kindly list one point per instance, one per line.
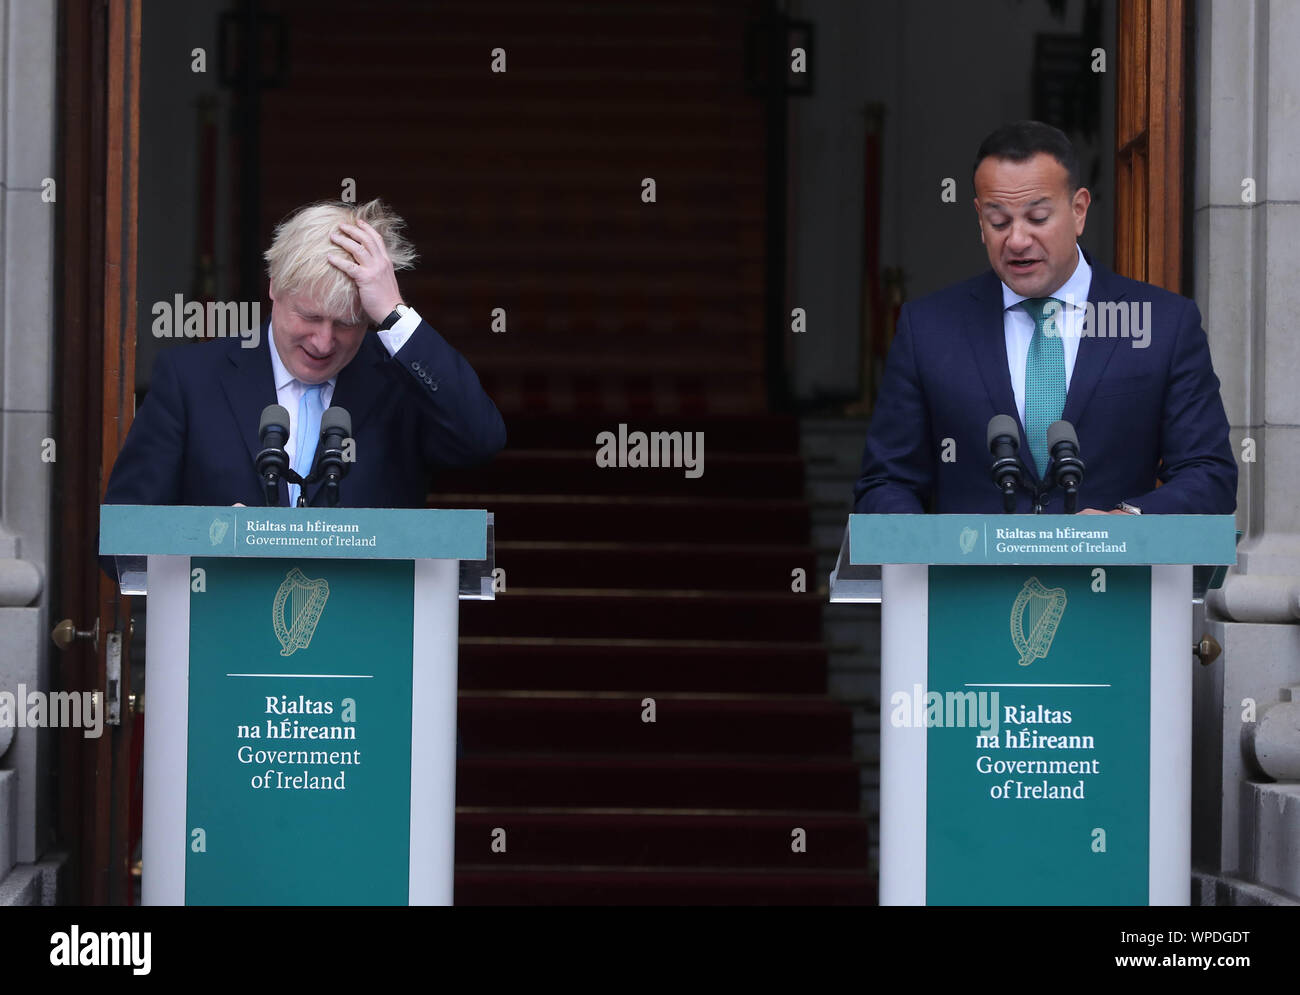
(1073, 292)
(283, 378)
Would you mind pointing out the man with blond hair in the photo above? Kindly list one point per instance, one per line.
(416, 405)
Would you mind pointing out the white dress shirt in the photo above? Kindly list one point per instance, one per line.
(1018, 326)
(289, 389)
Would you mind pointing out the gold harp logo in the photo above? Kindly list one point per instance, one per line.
(298, 606)
(1034, 619)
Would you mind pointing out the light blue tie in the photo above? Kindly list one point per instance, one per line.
(309, 414)
(1044, 376)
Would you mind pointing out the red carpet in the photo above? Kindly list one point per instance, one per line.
(633, 584)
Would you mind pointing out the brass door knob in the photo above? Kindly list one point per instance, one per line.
(1207, 650)
(66, 633)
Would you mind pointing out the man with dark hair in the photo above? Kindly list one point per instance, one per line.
(1022, 140)
(1047, 334)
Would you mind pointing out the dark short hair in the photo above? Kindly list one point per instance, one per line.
(1022, 140)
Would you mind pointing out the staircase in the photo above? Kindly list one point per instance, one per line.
(524, 189)
(628, 590)
(632, 589)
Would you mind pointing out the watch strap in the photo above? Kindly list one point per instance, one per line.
(393, 318)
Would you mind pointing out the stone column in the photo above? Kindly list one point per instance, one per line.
(28, 32)
(1247, 282)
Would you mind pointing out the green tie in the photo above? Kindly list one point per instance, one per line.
(1044, 376)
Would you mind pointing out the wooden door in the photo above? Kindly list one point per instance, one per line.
(1149, 124)
(99, 59)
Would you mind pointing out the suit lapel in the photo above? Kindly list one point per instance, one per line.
(358, 389)
(986, 333)
(250, 386)
(360, 384)
(987, 336)
(1094, 351)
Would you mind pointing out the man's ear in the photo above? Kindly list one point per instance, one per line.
(1079, 204)
(271, 290)
(979, 220)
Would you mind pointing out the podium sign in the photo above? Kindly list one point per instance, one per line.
(299, 760)
(1058, 758)
(1035, 703)
(300, 743)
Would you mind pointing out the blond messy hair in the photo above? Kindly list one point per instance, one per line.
(296, 261)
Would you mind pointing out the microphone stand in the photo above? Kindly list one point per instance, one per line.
(292, 476)
(272, 467)
(320, 472)
(1071, 469)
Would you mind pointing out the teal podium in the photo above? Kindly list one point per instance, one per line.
(1036, 702)
(300, 743)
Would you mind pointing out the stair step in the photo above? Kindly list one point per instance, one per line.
(634, 614)
(725, 373)
(644, 665)
(609, 518)
(611, 723)
(518, 885)
(715, 474)
(654, 565)
(711, 782)
(663, 839)
(535, 331)
(756, 433)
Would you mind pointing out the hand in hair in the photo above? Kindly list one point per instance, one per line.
(368, 265)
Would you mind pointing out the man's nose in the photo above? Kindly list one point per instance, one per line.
(322, 337)
(1019, 239)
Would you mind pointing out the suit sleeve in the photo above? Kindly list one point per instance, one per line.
(1198, 472)
(897, 462)
(149, 465)
(460, 424)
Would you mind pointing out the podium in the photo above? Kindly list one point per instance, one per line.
(300, 746)
(1036, 702)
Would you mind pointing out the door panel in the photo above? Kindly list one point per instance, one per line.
(98, 118)
(1149, 142)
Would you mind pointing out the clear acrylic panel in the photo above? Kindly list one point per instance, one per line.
(476, 575)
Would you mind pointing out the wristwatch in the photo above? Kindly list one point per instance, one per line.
(1132, 509)
(393, 318)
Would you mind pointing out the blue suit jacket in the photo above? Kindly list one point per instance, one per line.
(194, 439)
(1140, 413)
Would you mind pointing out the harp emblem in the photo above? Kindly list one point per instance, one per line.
(217, 531)
(297, 608)
(1034, 618)
(967, 539)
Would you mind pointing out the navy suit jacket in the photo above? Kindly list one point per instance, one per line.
(1141, 414)
(195, 436)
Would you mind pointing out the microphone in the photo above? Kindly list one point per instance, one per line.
(1066, 468)
(272, 462)
(1004, 444)
(335, 426)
